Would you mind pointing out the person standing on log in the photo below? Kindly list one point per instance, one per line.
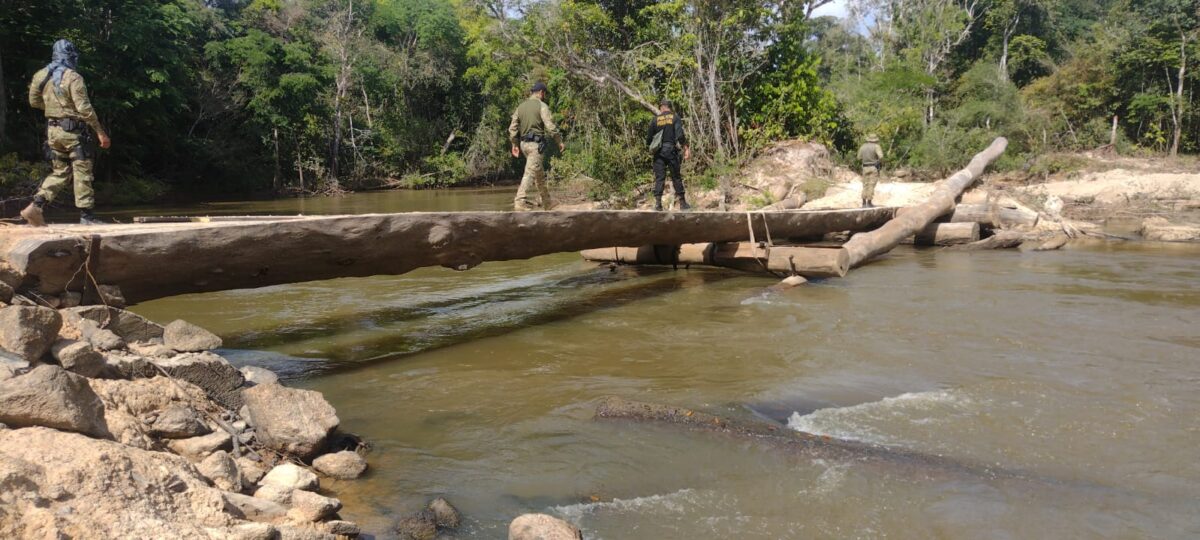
(531, 125)
(664, 138)
(58, 89)
(871, 156)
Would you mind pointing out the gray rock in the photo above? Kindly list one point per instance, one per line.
(291, 476)
(184, 336)
(51, 397)
(152, 350)
(101, 339)
(214, 374)
(345, 465)
(11, 365)
(253, 508)
(6, 292)
(70, 299)
(27, 331)
(197, 448)
(307, 531)
(419, 526)
(340, 527)
(276, 494)
(251, 531)
(542, 527)
(129, 326)
(252, 471)
(178, 422)
(130, 366)
(289, 420)
(256, 375)
(308, 506)
(80, 358)
(445, 514)
(220, 468)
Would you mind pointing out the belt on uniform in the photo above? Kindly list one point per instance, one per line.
(68, 124)
(533, 137)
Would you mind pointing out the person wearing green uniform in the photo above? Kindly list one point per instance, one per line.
(871, 156)
(528, 132)
(58, 89)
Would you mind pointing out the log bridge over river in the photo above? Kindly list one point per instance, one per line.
(154, 260)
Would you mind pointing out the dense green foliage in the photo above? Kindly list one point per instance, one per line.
(237, 96)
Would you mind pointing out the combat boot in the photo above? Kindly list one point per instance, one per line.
(87, 217)
(681, 202)
(658, 203)
(33, 213)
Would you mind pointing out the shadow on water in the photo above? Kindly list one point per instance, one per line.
(395, 332)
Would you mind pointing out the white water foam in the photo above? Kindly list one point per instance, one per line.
(674, 502)
(866, 422)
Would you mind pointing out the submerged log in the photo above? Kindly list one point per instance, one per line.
(802, 261)
(807, 444)
(1001, 240)
(945, 234)
(862, 247)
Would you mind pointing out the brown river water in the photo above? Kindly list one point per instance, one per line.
(1079, 370)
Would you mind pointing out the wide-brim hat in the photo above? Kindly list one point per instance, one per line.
(872, 138)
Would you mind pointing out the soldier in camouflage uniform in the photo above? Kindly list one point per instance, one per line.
(531, 126)
(58, 89)
(871, 156)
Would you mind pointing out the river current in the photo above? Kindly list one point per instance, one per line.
(1079, 368)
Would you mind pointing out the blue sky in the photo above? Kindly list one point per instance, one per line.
(837, 9)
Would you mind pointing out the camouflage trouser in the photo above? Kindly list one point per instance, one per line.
(534, 178)
(69, 159)
(870, 177)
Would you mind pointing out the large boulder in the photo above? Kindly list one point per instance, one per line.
(214, 374)
(64, 485)
(291, 476)
(308, 506)
(90, 331)
(80, 358)
(344, 465)
(126, 324)
(176, 422)
(184, 336)
(133, 408)
(222, 470)
(198, 448)
(28, 331)
(51, 397)
(542, 527)
(289, 420)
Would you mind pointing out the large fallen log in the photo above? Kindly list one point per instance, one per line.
(792, 260)
(862, 247)
(152, 261)
(807, 444)
(994, 215)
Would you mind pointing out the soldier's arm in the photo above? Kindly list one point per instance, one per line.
(83, 105)
(35, 91)
(513, 126)
(548, 122)
(650, 132)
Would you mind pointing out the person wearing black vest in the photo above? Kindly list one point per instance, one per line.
(668, 155)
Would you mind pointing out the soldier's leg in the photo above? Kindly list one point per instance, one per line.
(60, 174)
(533, 166)
(870, 178)
(543, 185)
(85, 198)
(676, 163)
(660, 179)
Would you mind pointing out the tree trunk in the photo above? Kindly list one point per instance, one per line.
(153, 261)
(863, 247)
(993, 216)
(278, 170)
(1177, 113)
(945, 234)
(3, 105)
(794, 260)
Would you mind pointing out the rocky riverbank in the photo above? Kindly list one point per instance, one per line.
(112, 426)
